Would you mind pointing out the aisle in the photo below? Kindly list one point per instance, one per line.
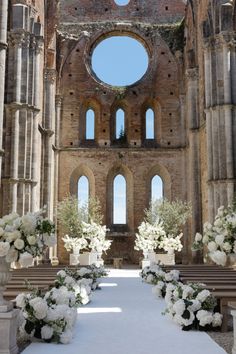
(125, 318)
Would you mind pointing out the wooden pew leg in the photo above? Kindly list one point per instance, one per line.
(224, 312)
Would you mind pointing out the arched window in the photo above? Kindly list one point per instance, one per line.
(90, 125)
(83, 190)
(120, 124)
(119, 200)
(150, 124)
(157, 190)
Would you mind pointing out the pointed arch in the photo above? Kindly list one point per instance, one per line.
(124, 171)
(162, 172)
(151, 114)
(89, 121)
(119, 119)
(82, 171)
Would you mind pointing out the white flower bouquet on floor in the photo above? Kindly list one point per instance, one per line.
(81, 291)
(219, 238)
(50, 317)
(24, 237)
(192, 307)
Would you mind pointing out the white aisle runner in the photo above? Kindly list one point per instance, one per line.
(125, 318)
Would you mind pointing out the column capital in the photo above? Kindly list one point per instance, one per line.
(59, 100)
(16, 39)
(50, 75)
(192, 74)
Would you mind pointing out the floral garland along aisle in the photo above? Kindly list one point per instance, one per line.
(51, 316)
(189, 305)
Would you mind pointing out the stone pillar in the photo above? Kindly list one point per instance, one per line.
(36, 153)
(3, 49)
(54, 258)
(194, 158)
(17, 40)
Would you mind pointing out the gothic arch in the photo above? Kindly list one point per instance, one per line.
(96, 107)
(124, 171)
(161, 171)
(156, 107)
(119, 104)
(82, 170)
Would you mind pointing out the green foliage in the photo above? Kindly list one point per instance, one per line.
(172, 214)
(71, 214)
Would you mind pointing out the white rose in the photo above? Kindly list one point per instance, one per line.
(219, 239)
(31, 240)
(40, 307)
(20, 300)
(203, 295)
(219, 257)
(204, 317)
(198, 237)
(4, 248)
(227, 247)
(26, 260)
(217, 319)
(61, 273)
(19, 244)
(66, 337)
(179, 307)
(212, 246)
(46, 332)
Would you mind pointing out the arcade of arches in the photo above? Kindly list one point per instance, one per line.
(64, 131)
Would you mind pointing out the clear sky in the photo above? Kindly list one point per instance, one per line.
(120, 61)
(122, 2)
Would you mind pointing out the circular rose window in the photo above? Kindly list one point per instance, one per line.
(121, 2)
(120, 61)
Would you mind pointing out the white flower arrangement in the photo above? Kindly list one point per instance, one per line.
(95, 234)
(149, 236)
(23, 238)
(219, 238)
(192, 307)
(50, 317)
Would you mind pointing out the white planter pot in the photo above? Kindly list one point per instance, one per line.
(87, 258)
(152, 256)
(5, 277)
(74, 259)
(165, 258)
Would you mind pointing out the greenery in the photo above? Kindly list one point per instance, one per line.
(173, 215)
(71, 214)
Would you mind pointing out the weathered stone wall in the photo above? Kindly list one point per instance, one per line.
(160, 89)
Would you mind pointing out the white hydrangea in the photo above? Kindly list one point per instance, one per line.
(46, 332)
(20, 300)
(203, 295)
(179, 307)
(218, 257)
(19, 244)
(217, 319)
(40, 307)
(219, 239)
(212, 246)
(198, 237)
(204, 317)
(66, 337)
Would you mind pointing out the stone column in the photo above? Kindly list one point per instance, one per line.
(194, 158)
(17, 40)
(54, 258)
(36, 153)
(3, 49)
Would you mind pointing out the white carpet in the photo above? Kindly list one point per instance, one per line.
(125, 318)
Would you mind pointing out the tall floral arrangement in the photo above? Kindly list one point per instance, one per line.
(219, 238)
(24, 237)
(83, 225)
(162, 226)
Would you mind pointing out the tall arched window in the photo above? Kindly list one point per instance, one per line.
(120, 124)
(119, 200)
(150, 124)
(157, 188)
(90, 125)
(83, 190)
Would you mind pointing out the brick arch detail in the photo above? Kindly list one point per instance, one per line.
(82, 170)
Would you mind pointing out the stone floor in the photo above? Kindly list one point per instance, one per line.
(225, 340)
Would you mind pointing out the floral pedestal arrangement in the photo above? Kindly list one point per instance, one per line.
(165, 258)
